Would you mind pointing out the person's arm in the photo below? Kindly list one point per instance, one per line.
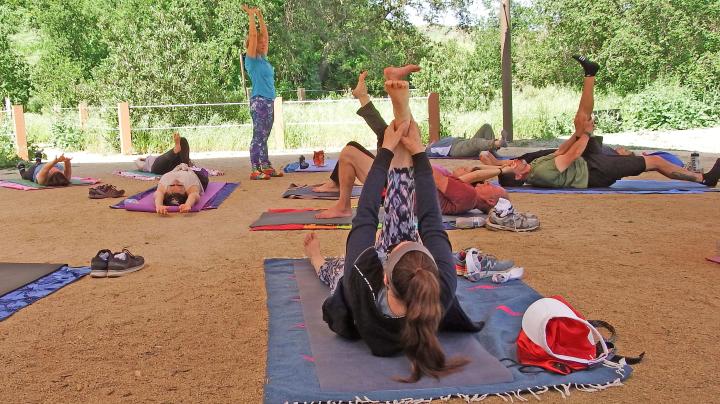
(365, 222)
(42, 174)
(263, 30)
(565, 146)
(564, 161)
(430, 224)
(67, 167)
(441, 181)
(485, 173)
(159, 195)
(193, 197)
(252, 33)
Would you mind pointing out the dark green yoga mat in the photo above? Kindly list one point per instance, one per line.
(14, 276)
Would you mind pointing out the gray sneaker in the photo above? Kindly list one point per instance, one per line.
(123, 263)
(516, 222)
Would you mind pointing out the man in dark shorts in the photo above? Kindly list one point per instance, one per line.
(580, 162)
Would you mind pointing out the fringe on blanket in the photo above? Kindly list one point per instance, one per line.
(510, 396)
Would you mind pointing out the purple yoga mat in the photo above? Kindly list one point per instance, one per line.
(147, 203)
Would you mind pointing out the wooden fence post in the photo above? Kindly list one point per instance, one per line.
(20, 132)
(83, 114)
(506, 68)
(301, 94)
(278, 130)
(124, 126)
(434, 117)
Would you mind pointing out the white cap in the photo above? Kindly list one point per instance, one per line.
(536, 318)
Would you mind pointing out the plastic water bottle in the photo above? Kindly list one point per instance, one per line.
(469, 222)
(695, 162)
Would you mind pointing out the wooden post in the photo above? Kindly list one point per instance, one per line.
(301, 94)
(434, 117)
(20, 132)
(278, 130)
(242, 73)
(83, 114)
(124, 126)
(505, 30)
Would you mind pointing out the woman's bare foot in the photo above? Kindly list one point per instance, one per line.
(176, 139)
(399, 73)
(360, 89)
(335, 211)
(329, 186)
(488, 159)
(312, 251)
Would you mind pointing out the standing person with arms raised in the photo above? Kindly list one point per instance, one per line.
(262, 99)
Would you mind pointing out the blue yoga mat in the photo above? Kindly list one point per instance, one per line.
(32, 292)
(625, 187)
(295, 373)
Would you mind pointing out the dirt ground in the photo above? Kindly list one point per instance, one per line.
(192, 325)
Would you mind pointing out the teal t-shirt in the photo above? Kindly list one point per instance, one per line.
(545, 174)
(262, 76)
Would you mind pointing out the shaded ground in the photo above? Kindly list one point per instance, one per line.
(192, 325)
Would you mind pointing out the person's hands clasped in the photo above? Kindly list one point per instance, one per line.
(185, 208)
(412, 141)
(394, 133)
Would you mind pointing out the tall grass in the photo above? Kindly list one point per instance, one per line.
(537, 114)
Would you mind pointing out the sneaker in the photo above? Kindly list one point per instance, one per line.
(258, 175)
(303, 164)
(319, 158)
(269, 170)
(105, 191)
(517, 222)
(480, 265)
(460, 267)
(509, 275)
(99, 264)
(20, 166)
(123, 263)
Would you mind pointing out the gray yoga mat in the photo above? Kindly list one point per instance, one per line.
(306, 192)
(337, 359)
(14, 276)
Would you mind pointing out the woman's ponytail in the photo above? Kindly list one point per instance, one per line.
(415, 282)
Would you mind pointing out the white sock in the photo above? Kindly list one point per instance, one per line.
(504, 208)
(510, 274)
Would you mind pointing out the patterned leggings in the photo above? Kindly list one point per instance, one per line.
(262, 111)
(399, 224)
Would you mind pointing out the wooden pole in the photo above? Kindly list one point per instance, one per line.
(242, 73)
(505, 31)
(20, 132)
(124, 126)
(434, 117)
(301, 94)
(278, 130)
(83, 114)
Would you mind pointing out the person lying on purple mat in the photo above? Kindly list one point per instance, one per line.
(181, 184)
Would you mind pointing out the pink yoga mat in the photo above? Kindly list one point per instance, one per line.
(147, 204)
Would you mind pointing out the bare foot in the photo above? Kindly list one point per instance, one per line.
(398, 91)
(329, 186)
(176, 139)
(488, 159)
(360, 89)
(399, 73)
(312, 250)
(333, 212)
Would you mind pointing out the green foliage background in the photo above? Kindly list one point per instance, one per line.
(660, 59)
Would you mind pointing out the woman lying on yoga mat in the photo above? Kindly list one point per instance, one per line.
(396, 292)
(580, 161)
(458, 191)
(180, 184)
(51, 174)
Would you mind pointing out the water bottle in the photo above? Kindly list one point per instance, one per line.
(695, 162)
(469, 222)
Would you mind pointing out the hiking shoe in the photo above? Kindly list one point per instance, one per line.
(259, 175)
(105, 191)
(20, 166)
(481, 265)
(517, 222)
(303, 164)
(711, 177)
(319, 158)
(99, 264)
(269, 170)
(123, 263)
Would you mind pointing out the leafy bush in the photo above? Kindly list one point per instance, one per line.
(667, 105)
(66, 136)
